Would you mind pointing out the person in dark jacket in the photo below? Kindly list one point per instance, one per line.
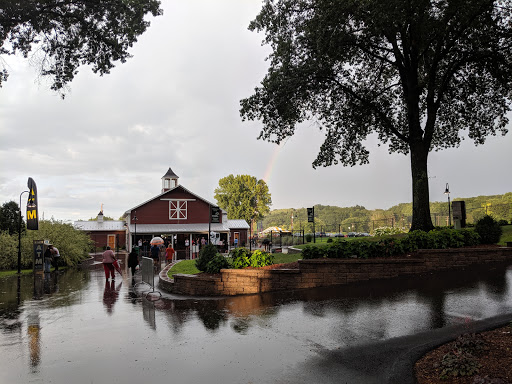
(133, 260)
(155, 254)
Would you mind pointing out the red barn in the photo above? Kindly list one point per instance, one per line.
(104, 233)
(182, 218)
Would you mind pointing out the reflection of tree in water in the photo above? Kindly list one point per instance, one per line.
(211, 318)
(240, 325)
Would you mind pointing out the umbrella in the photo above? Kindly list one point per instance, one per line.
(156, 241)
(117, 267)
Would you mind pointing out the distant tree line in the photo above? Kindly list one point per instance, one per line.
(359, 219)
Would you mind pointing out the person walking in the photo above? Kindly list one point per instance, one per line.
(169, 253)
(155, 254)
(56, 258)
(133, 260)
(48, 257)
(108, 258)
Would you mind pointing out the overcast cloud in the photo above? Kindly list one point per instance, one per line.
(176, 104)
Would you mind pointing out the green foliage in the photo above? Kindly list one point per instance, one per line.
(206, 254)
(308, 238)
(346, 66)
(502, 222)
(243, 197)
(489, 230)
(243, 258)
(359, 219)
(9, 218)
(386, 231)
(473, 343)
(97, 34)
(389, 246)
(187, 267)
(72, 244)
(458, 363)
(216, 264)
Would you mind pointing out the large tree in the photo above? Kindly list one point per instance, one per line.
(420, 74)
(10, 218)
(65, 34)
(243, 197)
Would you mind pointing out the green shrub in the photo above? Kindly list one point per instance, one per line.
(216, 264)
(502, 222)
(242, 258)
(261, 259)
(308, 237)
(471, 237)
(313, 252)
(329, 240)
(489, 230)
(386, 231)
(459, 363)
(206, 254)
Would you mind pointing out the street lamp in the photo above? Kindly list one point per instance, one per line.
(19, 237)
(447, 192)
(134, 218)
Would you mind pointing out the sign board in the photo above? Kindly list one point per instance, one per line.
(32, 219)
(38, 255)
(459, 213)
(311, 215)
(215, 215)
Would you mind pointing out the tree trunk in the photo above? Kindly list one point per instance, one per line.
(420, 195)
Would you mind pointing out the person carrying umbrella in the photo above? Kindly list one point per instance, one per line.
(108, 263)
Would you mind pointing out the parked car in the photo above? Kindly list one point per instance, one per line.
(352, 234)
(363, 234)
(339, 235)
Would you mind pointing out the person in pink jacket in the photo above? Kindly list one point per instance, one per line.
(108, 258)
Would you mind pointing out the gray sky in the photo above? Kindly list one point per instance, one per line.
(176, 104)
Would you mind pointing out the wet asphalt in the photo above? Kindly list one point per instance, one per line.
(75, 326)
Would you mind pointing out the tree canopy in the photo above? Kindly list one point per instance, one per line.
(243, 197)
(420, 75)
(10, 218)
(67, 34)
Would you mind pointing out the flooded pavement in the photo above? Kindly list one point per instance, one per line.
(75, 327)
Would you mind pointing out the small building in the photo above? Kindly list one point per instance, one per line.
(183, 219)
(104, 233)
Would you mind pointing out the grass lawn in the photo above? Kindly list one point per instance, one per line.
(507, 234)
(15, 272)
(282, 258)
(188, 267)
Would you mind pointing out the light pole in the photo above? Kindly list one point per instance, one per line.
(19, 237)
(134, 219)
(447, 192)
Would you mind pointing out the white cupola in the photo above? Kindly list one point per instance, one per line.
(100, 215)
(169, 181)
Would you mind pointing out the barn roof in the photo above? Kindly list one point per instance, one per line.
(108, 225)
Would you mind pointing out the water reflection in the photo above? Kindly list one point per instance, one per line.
(34, 340)
(110, 295)
(232, 337)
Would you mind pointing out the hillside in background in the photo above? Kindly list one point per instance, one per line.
(359, 219)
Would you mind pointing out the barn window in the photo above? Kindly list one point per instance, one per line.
(177, 210)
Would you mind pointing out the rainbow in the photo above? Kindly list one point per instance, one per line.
(271, 163)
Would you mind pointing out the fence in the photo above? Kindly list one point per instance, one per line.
(368, 225)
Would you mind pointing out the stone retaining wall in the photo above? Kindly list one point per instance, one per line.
(328, 272)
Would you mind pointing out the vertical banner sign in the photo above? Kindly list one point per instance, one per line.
(38, 255)
(311, 215)
(32, 217)
(215, 218)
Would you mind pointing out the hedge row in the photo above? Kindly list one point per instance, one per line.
(393, 246)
